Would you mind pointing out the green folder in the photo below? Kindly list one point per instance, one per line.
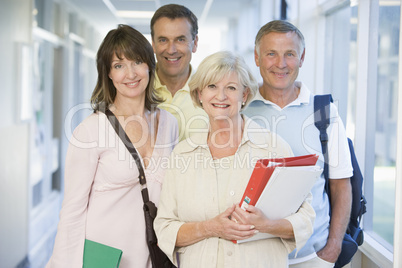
(98, 255)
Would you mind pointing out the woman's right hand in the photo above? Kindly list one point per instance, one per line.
(222, 226)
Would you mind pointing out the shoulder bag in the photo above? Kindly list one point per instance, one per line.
(158, 257)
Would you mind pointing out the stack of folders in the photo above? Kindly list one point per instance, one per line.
(279, 186)
(98, 255)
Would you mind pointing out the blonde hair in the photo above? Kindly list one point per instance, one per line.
(214, 67)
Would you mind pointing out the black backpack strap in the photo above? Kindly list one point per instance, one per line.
(359, 201)
(130, 147)
(322, 121)
(354, 235)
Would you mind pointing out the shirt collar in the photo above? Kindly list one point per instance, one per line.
(252, 133)
(158, 85)
(302, 98)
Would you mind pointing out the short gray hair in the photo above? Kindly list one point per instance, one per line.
(278, 26)
(214, 67)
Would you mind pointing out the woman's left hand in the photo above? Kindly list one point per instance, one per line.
(222, 226)
(254, 216)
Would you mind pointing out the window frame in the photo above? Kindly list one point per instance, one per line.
(366, 90)
(398, 164)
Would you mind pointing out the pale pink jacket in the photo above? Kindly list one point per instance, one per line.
(102, 198)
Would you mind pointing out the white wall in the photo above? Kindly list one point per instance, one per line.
(312, 25)
(15, 26)
(13, 195)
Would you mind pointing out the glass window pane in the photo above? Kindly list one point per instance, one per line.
(351, 110)
(386, 113)
(336, 58)
(43, 14)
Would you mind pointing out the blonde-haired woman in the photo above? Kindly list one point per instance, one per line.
(197, 210)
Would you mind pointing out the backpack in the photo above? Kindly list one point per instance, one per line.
(354, 234)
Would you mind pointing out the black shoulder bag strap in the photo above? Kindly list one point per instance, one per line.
(130, 147)
(158, 257)
(322, 121)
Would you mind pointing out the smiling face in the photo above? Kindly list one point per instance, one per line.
(130, 78)
(279, 57)
(223, 99)
(173, 46)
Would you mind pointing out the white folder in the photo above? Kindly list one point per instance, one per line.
(284, 193)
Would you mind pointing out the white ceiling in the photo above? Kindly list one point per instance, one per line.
(209, 12)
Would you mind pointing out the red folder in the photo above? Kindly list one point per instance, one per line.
(262, 172)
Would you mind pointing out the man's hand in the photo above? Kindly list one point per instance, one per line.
(341, 205)
(330, 252)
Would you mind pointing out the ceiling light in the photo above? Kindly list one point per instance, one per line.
(135, 14)
(390, 3)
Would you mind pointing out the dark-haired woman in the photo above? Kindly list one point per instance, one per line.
(102, 198)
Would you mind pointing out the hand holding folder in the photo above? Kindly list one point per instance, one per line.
(278, 187)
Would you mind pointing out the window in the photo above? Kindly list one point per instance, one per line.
(380, 127)
(352, 76)
(380, 221)
(386, 119)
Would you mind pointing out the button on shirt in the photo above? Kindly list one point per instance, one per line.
(225, 194)
(189, 117)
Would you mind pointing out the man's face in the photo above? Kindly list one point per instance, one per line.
(173, 46)
(279, 59)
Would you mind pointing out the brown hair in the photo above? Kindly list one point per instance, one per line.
(127, 42)
(173, 11)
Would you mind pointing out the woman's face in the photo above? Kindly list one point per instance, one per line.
(223, 99)
(130, 78)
